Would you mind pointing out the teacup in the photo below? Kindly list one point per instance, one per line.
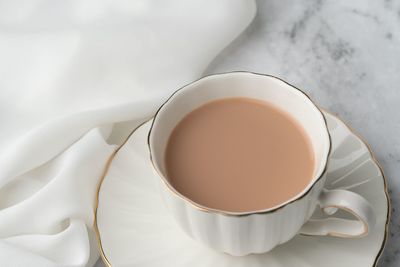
(257, 231)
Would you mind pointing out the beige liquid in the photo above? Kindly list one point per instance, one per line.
(239, 154)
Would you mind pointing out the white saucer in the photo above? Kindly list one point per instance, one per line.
(135, 229)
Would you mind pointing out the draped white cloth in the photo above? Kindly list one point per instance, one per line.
(75, 77)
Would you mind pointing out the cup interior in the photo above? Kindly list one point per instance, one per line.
(240, 84)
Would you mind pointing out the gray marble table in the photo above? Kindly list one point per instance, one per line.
(346, 56)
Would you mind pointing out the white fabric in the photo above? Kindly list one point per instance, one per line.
(75, 77)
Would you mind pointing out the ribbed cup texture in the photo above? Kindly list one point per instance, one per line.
(242, 235)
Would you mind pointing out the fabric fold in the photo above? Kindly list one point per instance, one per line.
(75, 79)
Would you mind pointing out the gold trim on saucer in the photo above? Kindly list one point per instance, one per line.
(389, 207)
(105, 171)
(109, 161)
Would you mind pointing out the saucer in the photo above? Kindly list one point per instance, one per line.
(134, 227)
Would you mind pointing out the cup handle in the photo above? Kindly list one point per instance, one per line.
(332, 200)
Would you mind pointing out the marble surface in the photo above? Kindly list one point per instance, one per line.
(346, 56)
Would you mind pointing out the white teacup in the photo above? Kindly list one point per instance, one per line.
(257, 231)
